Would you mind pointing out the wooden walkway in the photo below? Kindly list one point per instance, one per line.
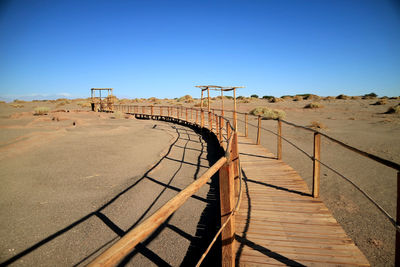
(279, 223)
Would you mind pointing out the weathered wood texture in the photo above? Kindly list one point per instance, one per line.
(280, 223)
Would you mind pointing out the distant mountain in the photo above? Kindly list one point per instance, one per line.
(11, 98)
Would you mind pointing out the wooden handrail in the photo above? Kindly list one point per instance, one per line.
(127, 243)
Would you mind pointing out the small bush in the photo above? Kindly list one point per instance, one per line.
(2, 102)
(186, 99)
(42, 111)
(229, 97)
(380, 102)
(370, 96)
(117, 115)
(393, 110)
(84, 104)
(342, 97)
(245, 101)
(254, 96)
(17, 105)
(287, 97)
(328, 98)
(275, 100)
(267, 113)
(268, 97)
(297, 98)
(314, 105)
(19, 101)
(240, 97)
(311, 97)
(355, 98)
(317, 125)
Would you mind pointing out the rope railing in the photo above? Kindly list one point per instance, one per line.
(317, 162)
(226, 165)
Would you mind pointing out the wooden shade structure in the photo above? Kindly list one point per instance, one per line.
(99, 102)
(222, 89)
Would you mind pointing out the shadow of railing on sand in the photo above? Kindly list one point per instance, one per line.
(212, 208)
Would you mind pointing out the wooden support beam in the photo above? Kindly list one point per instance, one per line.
(191, 114)
(234, 110)
(235, 161)
(259, 130)
(279, 148)
(197, 115)
(201, 101)
(186, 114)
(246, 127)
(143, 110)
(221, 126)
(227, 202)
(208, 97)
(152, 110)
(210, 121)
(316, 164)
(202, 118)
(161, 113)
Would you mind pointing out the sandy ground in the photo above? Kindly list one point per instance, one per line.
(364, 126)
(73, 182)
(355, 122)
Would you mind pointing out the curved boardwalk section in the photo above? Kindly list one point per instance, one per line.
(280, 223)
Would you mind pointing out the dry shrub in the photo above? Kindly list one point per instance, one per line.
(186, 99)
(297, 98)
(84, 104)
(153, 99)
(205, 104)
(2, 102)
(380, 102)
(355, 98)
(245, 101)
(317, 125)
(117, 115)
(17, 105)
(267, 113)
(342, 97)
(314, 105)
(19, 101)
(275, 100)
(42, 111)
(312, 97)
(328, 98)
(63, 100)
(287, 97)
(393, 110)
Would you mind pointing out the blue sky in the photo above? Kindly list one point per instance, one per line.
(165, 48)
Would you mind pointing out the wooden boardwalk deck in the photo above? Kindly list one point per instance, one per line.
(279, 223)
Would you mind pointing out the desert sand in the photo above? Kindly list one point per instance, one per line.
(69, 191)
(99, 158)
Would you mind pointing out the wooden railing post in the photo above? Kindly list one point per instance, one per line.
(227, 200)
(202, 118)
(397, 248)
(228, 131)
(197, 115)
(191, 114)
(152, 110)
(210, 121)
(143, 109)
(186, 114)
(217, 128)
(259, 130)
(177, 112)
(316, 164)
(160, 111)
(221, 126)
(279, 149)
(235, 160)
(246, 129)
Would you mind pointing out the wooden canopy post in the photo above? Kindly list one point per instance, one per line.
(259, 130)
(246, 129)
(279, 148)
(201, 100)
(208, 98)
(234, 110)
(316, 164)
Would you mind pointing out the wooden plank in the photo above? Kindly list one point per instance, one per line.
(285, 219)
